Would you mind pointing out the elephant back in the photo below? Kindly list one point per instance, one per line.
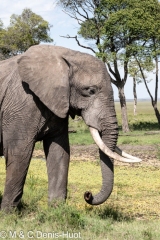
(7, 67)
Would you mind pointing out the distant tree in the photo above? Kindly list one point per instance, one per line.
(2, 32)
(135, 73)
(154, 98)
(24, 31)
(117, 31)
(1, 26)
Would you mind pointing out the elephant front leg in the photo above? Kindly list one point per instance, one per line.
(18, 155)
(57, 155)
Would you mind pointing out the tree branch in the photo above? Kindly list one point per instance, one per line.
(116, 70)
(114, 81)
(111, 71)
(125, 71)
(85, 12)
(77, 11)
(89, 4)
(144, 79)
(73, 16)
(79, 43)
(156, 87)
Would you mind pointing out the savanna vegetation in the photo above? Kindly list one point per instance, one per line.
(125, 35)
(24, 31)
(131, 212)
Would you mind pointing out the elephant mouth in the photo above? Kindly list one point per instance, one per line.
(118, 155)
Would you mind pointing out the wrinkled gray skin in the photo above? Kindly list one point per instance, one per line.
(39, 90)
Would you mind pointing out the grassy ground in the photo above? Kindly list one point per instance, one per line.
(131, 213)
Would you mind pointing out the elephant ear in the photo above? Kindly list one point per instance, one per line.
(48, 79)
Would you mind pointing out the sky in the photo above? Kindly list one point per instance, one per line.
(63, 25)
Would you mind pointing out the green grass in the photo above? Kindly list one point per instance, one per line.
(145, 118)
(82, 135)
(139, 138)
(39, 145)
(81, 138)
(131, 212)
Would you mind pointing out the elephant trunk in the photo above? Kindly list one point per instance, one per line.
(109, 139)
(107, 182)
(106, 156)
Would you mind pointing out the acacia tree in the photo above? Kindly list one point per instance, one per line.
(116, 27)
(149, 52)
(24, 31)
(2, 32)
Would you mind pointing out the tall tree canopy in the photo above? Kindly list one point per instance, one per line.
(120, 30)
(148, 53)
(24, 31)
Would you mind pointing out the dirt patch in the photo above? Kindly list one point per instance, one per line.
(148, 153)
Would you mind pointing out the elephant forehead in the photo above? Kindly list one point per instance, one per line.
(83, 78)
(91, 64)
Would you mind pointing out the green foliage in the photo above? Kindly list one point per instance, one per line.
(122, 32)
(122, 27)
(146, 64)
(2, 32)
(24, 31)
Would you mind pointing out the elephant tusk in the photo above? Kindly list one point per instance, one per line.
(95, 134)
(126, 155)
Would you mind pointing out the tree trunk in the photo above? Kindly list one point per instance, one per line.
(157, 115)
(154, 104)
(135, 95)
(125, 126)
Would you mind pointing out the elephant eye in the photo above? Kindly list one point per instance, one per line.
(89, 91)
(92, 91)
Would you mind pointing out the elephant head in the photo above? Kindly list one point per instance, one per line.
(75, 83)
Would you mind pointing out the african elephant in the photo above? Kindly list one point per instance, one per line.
(39, 90)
